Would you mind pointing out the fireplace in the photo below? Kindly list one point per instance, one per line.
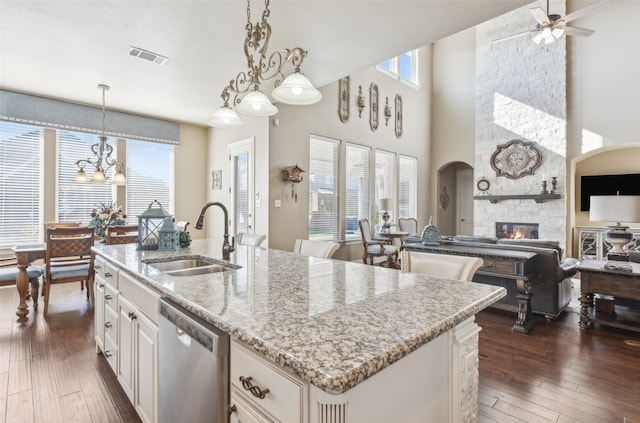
(516, 230)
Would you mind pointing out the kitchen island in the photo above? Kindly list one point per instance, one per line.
(361, 343)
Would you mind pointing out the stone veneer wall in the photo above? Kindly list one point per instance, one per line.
(521, 94)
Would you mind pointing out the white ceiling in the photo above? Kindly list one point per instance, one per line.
(64, 49)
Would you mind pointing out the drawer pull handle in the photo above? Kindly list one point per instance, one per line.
(108, 325)
(255, 390)
(97, 266)
(132, 315)
(232, 409)
(108, 353)
(101, 285)
(107, 275)
(489, 264)
(108, 297)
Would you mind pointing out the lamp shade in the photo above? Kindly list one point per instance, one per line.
(296, 89)
(225, 117)
(385, 204)
(256, 103)
(615, 208)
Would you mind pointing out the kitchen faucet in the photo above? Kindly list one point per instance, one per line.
(226, 247)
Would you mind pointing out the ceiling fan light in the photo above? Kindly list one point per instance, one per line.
(557, 33)
(256, 103)
(296, 89)
(225, 117)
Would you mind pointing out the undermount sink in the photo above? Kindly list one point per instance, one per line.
(190, 266)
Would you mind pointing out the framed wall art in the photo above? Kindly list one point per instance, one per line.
(216, 178)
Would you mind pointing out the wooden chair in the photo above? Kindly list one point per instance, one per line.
(48, 225)
(253, 240)
(68, 259)
(442, 265)
(122, 234)
(375, 247)
(9, 273)
(306, 247)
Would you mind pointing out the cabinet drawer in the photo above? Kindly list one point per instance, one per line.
(145, 299)
(498, 265)
(111, 352)
(110, 296)
(111, 322)
(242, 411)
(287, 394)
(99, 266)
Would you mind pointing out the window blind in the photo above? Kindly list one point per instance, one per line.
(357, 195)
(408, 181)
(323, 188)
(150, 176)
(385, 179)
(20, 183)
(241, 193)
(75, 200)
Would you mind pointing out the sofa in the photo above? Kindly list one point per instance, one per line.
(551, 285)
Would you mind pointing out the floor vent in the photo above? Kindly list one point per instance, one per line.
(147, 55)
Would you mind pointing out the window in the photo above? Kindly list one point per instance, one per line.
(75, 200)
(385, 181)
(357, 193)
(403, 67)
(20, 183)
(150, 176)
(323, 188)
(408, 181)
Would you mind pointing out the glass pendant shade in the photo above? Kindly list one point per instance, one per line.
(81, 176)
(119, 179)
(296, 89)
(98, 177)
(256, 103)
(225, 117)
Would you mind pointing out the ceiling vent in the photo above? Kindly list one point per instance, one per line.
(147, 55)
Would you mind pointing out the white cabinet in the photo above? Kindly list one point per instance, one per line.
(263, 392)
(591, 243)
(138, 347)
(105, 314)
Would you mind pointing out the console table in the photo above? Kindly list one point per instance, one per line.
(591, 243)
(507, 264)
(595, 279)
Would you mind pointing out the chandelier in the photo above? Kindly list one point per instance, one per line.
(294, 89)
(102, 161)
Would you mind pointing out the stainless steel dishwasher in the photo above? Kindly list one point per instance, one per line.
(193, 368)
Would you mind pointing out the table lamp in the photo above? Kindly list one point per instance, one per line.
(616, 208)
(384, 205)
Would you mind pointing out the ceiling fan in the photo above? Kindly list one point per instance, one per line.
(550, 27)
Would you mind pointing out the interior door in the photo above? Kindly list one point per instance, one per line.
(464, 202)
(241, 169)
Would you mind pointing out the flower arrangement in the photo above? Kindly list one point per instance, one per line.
(106, 215)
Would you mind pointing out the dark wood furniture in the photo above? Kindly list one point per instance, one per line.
(122, 234)
(595, 279)
(25, 254)
(499, 264)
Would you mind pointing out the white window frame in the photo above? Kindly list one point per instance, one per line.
(364, 196)
(333, 217)
(407, 173)
(394, 71)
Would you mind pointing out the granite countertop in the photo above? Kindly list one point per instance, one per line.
(332, 323)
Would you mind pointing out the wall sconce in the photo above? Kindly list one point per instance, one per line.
(360, 101)
(387, 112)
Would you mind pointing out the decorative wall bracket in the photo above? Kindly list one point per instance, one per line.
(387, 112)
(398, 116)
(360, 101)
(373, 109)
(344, 98)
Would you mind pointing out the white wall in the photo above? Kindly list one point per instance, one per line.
(289, 144)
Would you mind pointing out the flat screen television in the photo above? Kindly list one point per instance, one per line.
(625, 184)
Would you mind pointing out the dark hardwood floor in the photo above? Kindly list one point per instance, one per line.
(50, 372)
(49, 369)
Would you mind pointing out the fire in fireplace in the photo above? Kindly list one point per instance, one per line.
(516, 230)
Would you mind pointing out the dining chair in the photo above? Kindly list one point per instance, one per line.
(9, 274)
(408, 224)
(48, 225)
(122, 234)
(253, 240)
(306, 247)
(375, 247)
(442, 265)
(68, 259)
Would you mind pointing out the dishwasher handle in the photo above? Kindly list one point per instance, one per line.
(191, 327)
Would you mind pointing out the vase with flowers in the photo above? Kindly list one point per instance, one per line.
(106, 215)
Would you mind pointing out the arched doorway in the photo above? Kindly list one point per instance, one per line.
(455, 199)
